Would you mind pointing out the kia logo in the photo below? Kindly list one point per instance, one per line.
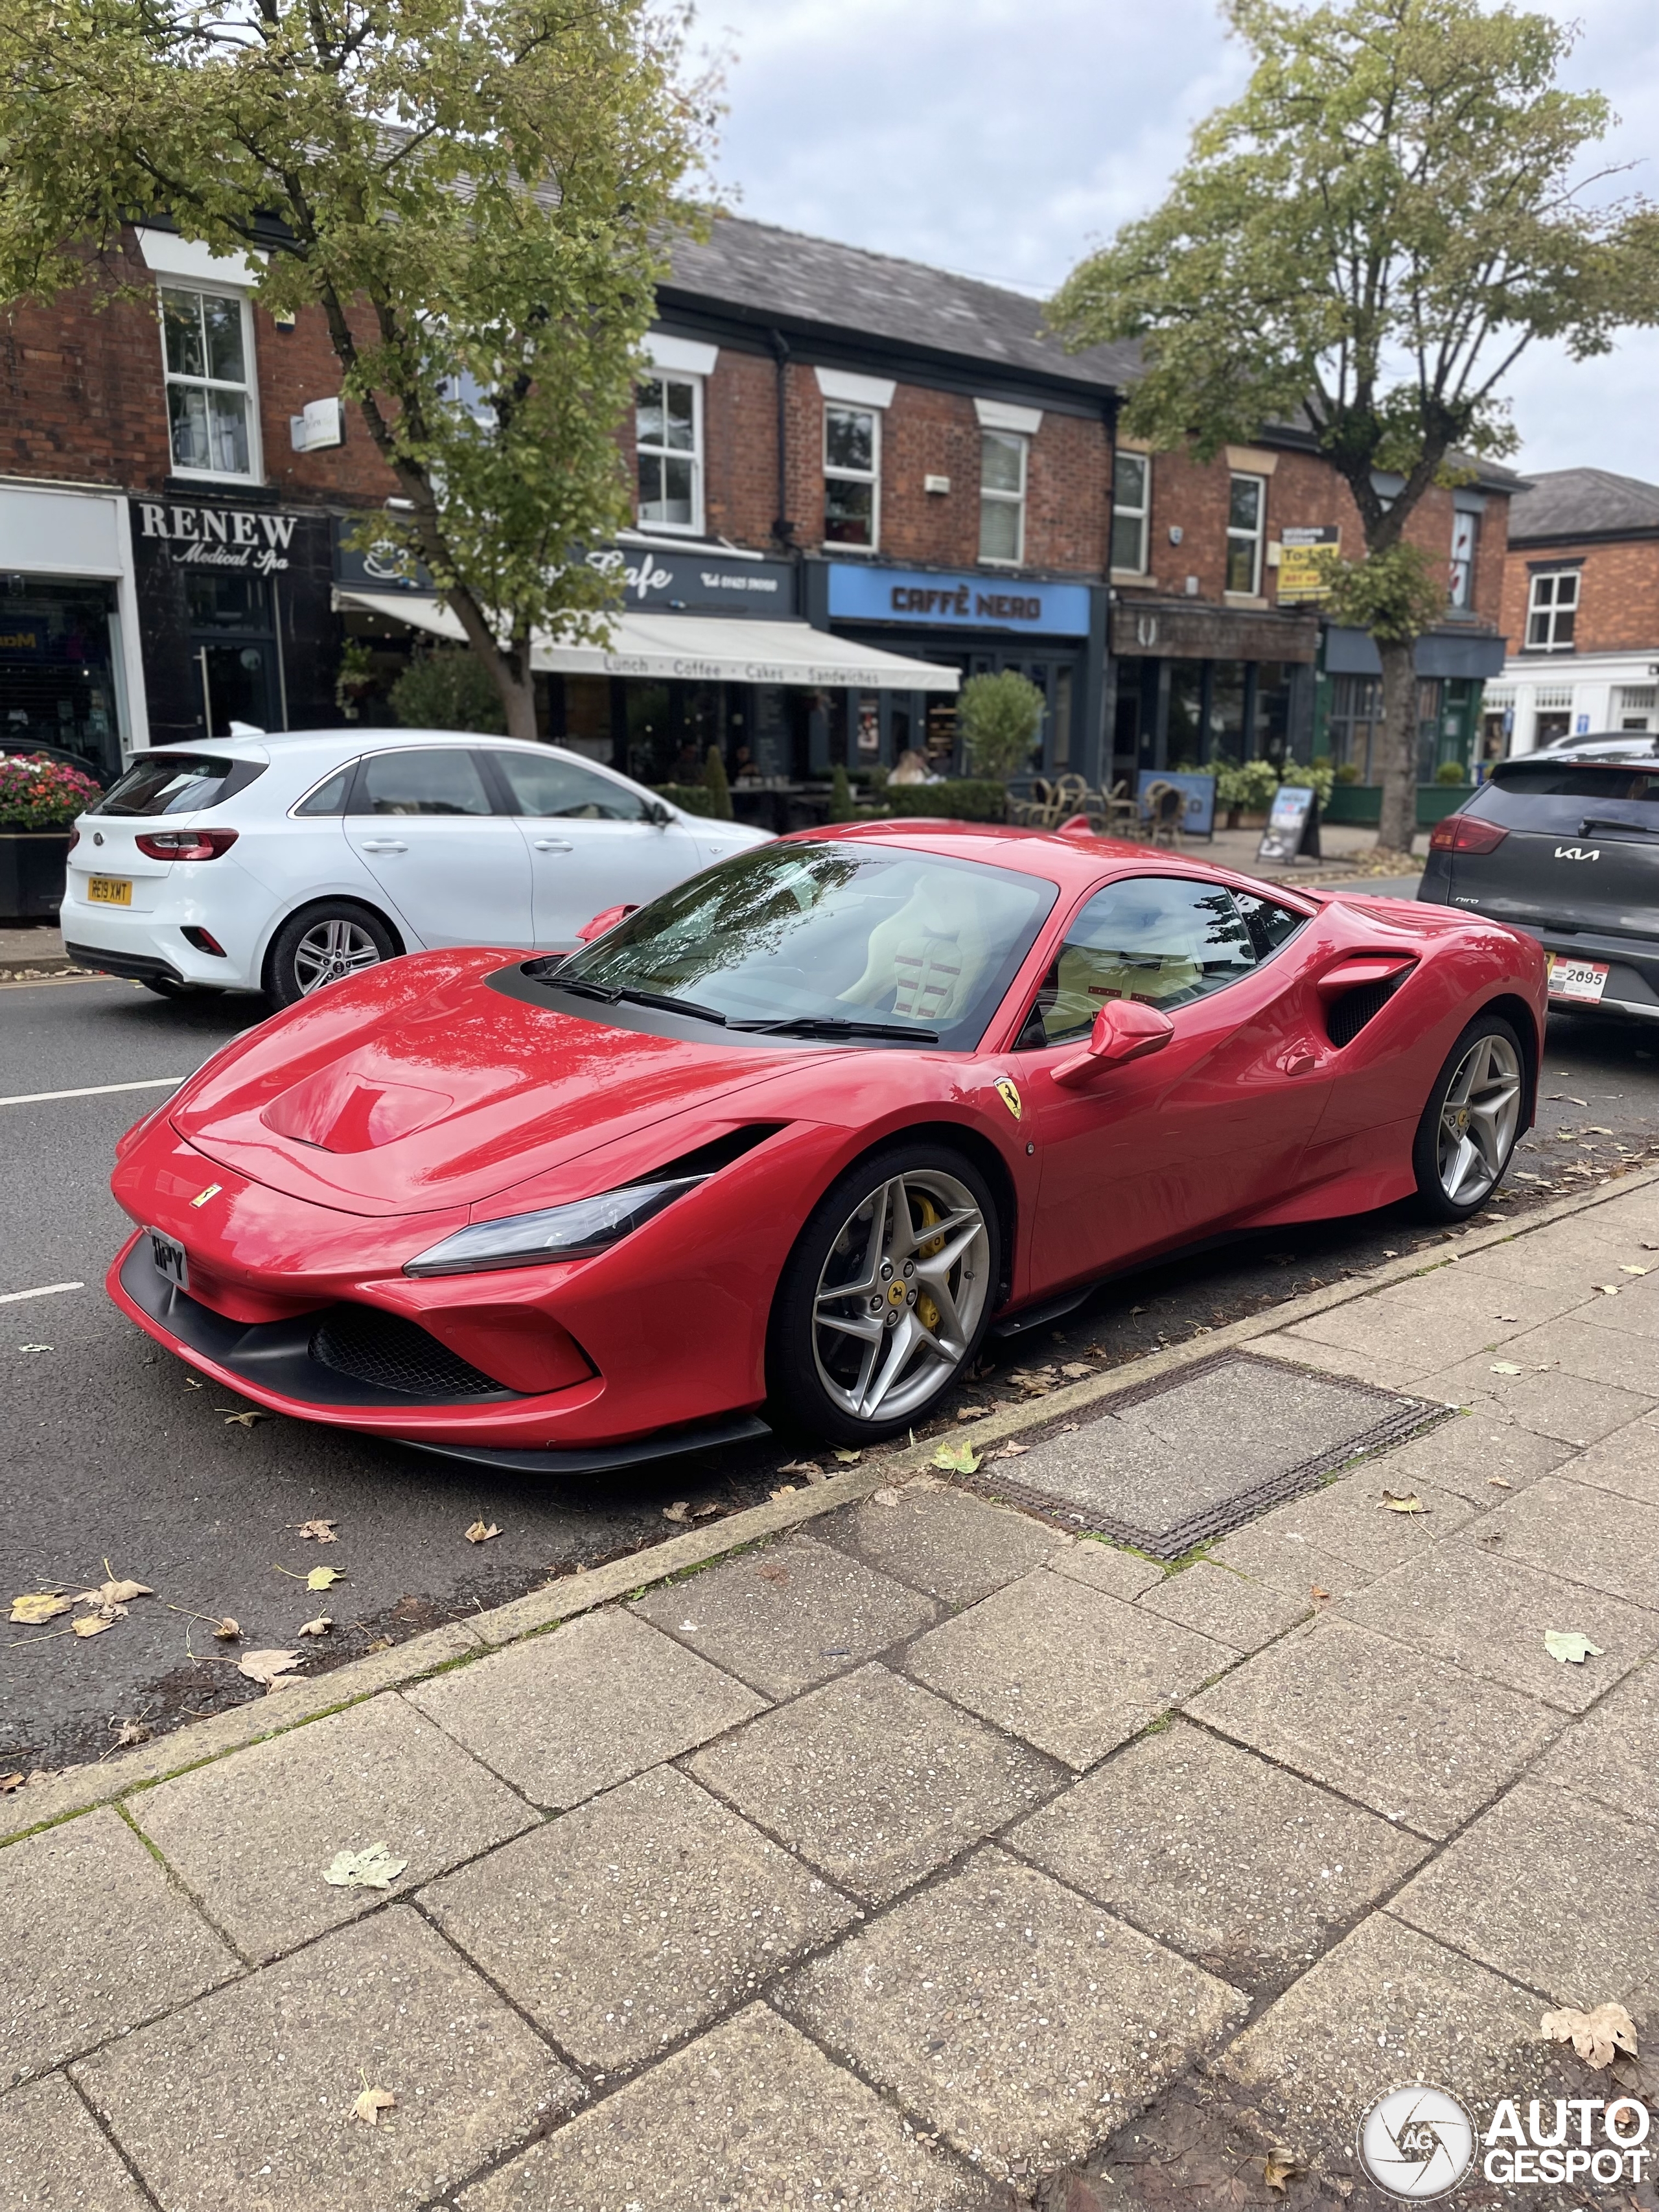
(1578, 853)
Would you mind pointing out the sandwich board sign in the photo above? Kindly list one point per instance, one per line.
(1292, 828)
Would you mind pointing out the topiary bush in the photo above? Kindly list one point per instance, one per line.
(714, 783)
(448, 689)
(999, 717)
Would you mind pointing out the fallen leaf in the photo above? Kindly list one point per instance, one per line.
(265, 1665)
(8, 1783)
(1628, 1267)
(1608, 1289)
(1012, 1451)
(1074, 1370)
(37, 1347)
(241, 1420)
(479, 1533)
(370, 2105)
(1396, 1502)
(1500, 1482)
(131, 1732)
(772, 1572)
(1321, 1598)
(322, 1578)
(318, 1531)
(1506, 1367)
(1279, 2168)
(380, 1644)
(972, 1412)
(849, 1458)
(801, 1467)
(35, 1608)
(227, 1631)
(960, 1459)
(114, 1593)
(94, 1624)
(784, 1490)
(884, 1498)
(1600, 2036)
(679, 1511)
(1571, 1646)
(374, 1869)
(320, 1627)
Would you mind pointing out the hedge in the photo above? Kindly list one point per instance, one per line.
(961, 798)
(690, 798)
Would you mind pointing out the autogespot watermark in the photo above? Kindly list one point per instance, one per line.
(1419, 2142)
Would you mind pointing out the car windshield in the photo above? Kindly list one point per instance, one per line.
(828, 940)
(1557, 797)
(176, 783)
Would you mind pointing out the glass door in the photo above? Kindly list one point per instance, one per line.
(233, 645)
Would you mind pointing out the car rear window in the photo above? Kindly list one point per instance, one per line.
(1558, 797)
(177, 783)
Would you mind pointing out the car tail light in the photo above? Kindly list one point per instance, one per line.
(1466, 832)
(185, 844)
(75, 839)
(205, 941)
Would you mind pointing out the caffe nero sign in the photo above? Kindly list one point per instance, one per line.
(255, 541)
(700, 580)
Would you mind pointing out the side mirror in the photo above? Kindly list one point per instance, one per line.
(657, 814)
(1124, 1029)
(605, 921)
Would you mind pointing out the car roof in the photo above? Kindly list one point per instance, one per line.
(349, 739)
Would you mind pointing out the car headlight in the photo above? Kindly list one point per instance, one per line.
(576, 1231)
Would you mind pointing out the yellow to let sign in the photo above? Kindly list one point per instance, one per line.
(1306, 556)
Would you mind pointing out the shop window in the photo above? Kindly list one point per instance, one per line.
(1247, 501)
(1226, 714)
(58, 670)
(1355, 725)
(1466, 538)
(207, 343)
(668, 441)
(1002, 459)
(1131, 503)
(852, 476)
(1271, 738)
(1552, 611)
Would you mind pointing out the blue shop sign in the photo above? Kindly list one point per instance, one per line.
(859, 592)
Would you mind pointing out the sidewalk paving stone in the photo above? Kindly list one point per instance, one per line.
(788, 1616)
(1387, 2006)
(875, 1781)
(1625, 1462)
(752, 2116)
(244, 2100)
(1218, 1601)
(1293, 1349)
(1274, 1550)
(1552, 1401)
(1422, 1743)
(1554, 1891)
(1576, 1346)
(1102, 1566)
(1244, 1867)
(1612, 1753)
(108, 1941)
(1634, 1313)
(1418, 1327)
(1460, 1454)
(1012, 2014)
(640, 1916)
(1071, 1670)
(1487, 1614)
(251, 1836)
(1348, 1519)
(55, 2158)
(1583, 1533)
(563, 1715)
(941, 1542)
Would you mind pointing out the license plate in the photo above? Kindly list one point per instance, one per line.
(169, 1258)
(1581, 980)
(108, 891)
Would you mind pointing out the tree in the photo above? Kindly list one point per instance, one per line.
(1366, 240)
(715, 784)
(841, 795)
(1000, 716)
(447, 689)
(476, 198)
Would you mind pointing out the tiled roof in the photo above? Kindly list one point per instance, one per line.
(1581, 503)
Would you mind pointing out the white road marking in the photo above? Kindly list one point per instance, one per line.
(96, 1091)
(46, 1291)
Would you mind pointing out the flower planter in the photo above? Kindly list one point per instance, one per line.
(32, 863)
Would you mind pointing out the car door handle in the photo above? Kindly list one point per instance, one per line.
(552, 844)
(384, 845)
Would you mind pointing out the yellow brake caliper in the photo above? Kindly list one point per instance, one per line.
(927, 1311)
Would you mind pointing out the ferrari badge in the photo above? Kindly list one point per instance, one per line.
(203, 1196)
(1008, 1091)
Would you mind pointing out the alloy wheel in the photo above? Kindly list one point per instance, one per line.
(901, 1295)
(330, 949)
(1478, 1120)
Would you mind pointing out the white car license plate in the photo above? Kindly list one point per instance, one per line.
(1581, 980)
(108, 891)
(170, 1259)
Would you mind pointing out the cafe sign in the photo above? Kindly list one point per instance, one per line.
(255, 541)
(933, 600)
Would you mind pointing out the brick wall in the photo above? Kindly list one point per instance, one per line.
(1617, 594)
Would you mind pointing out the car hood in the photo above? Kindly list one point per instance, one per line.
(380, 1098)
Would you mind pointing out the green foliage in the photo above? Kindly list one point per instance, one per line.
(1451, 771)
(1396, 594)
(1249, 785)
(690, 798)
(480, 200)
(355, 676)
(999, 717)
(960, 798)
(1348, 773)
(714, 783)
(448, 689)
(841, 796)
(40, 792)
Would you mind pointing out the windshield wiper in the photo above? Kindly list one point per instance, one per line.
(609, 995)
(833, 1025)
(1614, 822)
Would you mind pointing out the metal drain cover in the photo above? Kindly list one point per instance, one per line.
(1172, 1463)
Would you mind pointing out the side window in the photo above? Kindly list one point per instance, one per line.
(1156, 938)
(1270, 925)
(329, 797)
(549, 787)
(429, 781)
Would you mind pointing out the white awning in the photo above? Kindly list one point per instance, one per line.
(693, 648)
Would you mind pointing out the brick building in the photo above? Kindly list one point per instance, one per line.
(1580, 612)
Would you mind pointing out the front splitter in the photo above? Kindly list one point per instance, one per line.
(603, 1459)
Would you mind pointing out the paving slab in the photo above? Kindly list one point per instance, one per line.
(1634, 1312)
(1550, 1400)
(1470, 1604)
(1012, 2014)
(55, 2158)
(752, 2115)
(875, 1781)
(1420, 1743)
(1275, 1550)
(1218, 1601)
(1072, 1669)
(1459, 1455)
(641, 1915)
(1423, 1325)
(1348, 1519)
(940, 1541)
(563, 1715)
(1244, 1867)
(1301, 1352)
(245, 2099)
(1627, 1462)
(1612, 1753)
(1387, 2006)
(1104, 1567)
(1555, 1892)
(251, 1836)
(789, 1615)
(107, 1941)
(1579, 1347)
(1583, 1533)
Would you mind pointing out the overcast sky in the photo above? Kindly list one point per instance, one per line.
(1001, 137)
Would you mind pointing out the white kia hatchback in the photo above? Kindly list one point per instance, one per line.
(277, 864)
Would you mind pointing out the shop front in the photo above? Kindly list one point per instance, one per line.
(71, 678)
(1452, 669)
(1194, 687)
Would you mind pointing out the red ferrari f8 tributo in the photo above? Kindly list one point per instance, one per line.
(789, 1141)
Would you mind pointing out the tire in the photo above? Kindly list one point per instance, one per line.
(1472, 1122)
(835, 1368)
(321, 943)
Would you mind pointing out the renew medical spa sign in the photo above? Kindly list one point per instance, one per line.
(254, 540)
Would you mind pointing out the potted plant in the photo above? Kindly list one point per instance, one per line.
(39, 798)
(1245, 789)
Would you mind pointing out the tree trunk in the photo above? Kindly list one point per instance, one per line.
(1397, 818)
(518, 697)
